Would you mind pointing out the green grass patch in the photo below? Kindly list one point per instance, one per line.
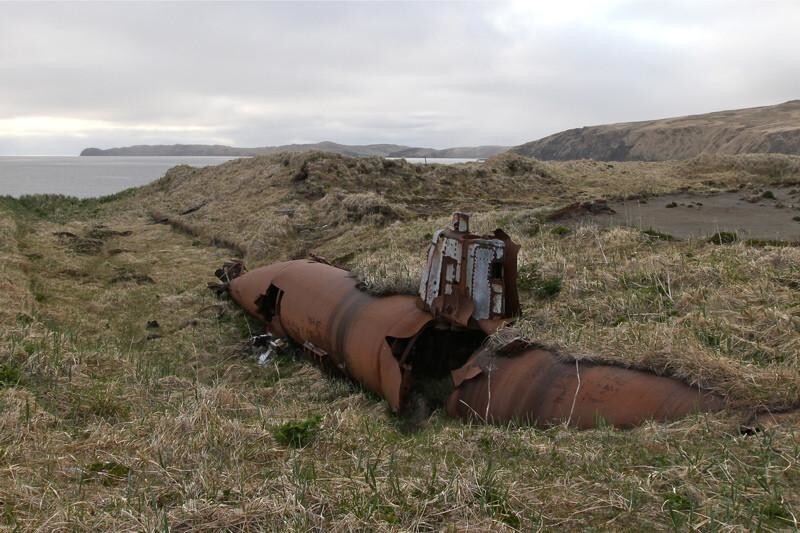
(657, 235)
(10, 375)
(544, 287)
(771, 242)
(107, 473)
(99, 400)
(724, 237)
(493, 496)
(299, 433)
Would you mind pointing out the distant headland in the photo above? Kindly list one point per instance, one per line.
(382, 150)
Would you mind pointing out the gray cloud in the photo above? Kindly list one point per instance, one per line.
(434, 74)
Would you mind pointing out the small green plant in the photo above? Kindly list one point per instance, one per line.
(298, 434)
(106, 473)
(657, 235)
(544, 287)
(775, 509)
(98, 401)
(723, 237)
(560, 231)
(677, 503)
(769, 195)
(493, 496)
(10, 375)
(712, 340)
(548, 287)
(24, 319)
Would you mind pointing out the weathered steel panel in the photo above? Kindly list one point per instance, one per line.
(469, 279)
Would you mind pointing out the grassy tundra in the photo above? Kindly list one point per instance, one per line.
(129, 399)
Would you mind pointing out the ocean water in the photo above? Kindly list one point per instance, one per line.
(87, 177)
(436, 160)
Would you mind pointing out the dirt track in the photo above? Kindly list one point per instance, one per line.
(769, 214)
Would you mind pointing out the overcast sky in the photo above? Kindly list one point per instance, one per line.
(423, 74)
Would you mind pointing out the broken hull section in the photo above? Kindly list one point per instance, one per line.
(385, 343)
(339, 326)
(539, 387)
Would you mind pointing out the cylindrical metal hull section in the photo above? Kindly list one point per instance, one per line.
(320, 308)
(537, 387)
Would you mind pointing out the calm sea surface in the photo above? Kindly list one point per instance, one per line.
(85, 177)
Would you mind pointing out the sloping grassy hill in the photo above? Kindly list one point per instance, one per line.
(768, 129)
(130, 400)
(268, 206)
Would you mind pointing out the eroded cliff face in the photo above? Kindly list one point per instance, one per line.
(769, 129)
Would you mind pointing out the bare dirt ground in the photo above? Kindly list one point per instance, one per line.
(771, 214)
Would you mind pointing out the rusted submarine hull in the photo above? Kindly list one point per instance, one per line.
(467, 292)
(338, 325)
(539, 387)
(370, 338)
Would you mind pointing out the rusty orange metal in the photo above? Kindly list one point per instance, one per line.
(338, 325)
(467, 291)
(538, 387)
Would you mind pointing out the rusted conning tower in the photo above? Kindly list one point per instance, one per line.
(471, 280)
(467, 292)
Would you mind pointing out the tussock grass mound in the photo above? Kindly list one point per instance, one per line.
(338, 208)
(777, 168)
(388, 271)
(280, 206)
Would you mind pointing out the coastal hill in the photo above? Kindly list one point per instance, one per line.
(382, 150)
(768, 129)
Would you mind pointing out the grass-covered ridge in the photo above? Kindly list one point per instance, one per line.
(109, 423)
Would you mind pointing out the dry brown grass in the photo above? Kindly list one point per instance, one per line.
(14, 294)
(389, 270)
(281, 206)
(113, 426)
